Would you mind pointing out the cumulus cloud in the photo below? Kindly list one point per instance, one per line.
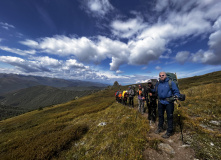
(146, 50)
(119, 71)
(128, 28)
(146, 42)
(24, 65)
(47, 61)
(182, 57)
(211, 56)
(29, 43)
(84, 49)
(97, 8)
(46, 66)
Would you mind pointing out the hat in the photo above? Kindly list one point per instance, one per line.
(149, 81)
(129, 87)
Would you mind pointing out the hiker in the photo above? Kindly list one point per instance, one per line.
(131, 94)
(116, 95)
(120, 96)
(166, 94)
(125, 95)
(141, 98)
(152, 105)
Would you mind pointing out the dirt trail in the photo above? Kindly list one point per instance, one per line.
(180, 150)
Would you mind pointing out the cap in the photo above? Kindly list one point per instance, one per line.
(149, 81)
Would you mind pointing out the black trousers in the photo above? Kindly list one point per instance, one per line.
(131, 101)
(169, 110)
(152, 107)
(125, 101)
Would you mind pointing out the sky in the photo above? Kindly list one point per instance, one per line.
(129, 41)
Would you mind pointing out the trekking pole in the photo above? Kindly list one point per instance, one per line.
(179, 120)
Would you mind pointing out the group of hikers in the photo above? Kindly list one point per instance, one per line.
(165, 91)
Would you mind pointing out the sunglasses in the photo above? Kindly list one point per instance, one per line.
(161, 75)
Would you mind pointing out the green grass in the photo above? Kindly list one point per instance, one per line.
(58, 132)
(203, 105)
(70, 131)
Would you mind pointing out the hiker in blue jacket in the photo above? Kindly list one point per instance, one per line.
(166, 94)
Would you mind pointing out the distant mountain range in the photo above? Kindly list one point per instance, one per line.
(36, 97)
(20, 94)
(13, 82)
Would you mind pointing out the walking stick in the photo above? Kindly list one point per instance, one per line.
(179, 120)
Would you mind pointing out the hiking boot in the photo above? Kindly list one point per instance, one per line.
(167, 135)
(159, 130)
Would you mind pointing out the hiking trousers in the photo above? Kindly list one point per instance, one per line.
(131, 101)
(169, 110)
(125, 101)
(141, 106)
(152, 106)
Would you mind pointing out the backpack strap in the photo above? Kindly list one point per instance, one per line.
(170, 83)
(156, 86)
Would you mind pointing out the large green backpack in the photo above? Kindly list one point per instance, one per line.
(172, 77)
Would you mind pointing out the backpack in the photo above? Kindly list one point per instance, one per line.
(132, 92)
(141, 92)
(120, 94)
(123, 94)
(116, 93)
(172, 77)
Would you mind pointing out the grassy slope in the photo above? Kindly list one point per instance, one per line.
(202, 105)
(70, 130)
(32, 98)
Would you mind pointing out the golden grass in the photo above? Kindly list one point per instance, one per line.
(70, 130)
(123, 136)
(203, 105)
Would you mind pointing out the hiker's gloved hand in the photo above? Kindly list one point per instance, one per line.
(182, 97)
(176, 97)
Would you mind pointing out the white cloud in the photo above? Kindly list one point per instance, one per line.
(98, 8)
(29, 43)
(72, 63)
(146, 50)
(9, 59)
(158, 68)
(128, 28)
(6, 25)
(211, 56)
(67, 69)
(84, 49)
(182, 57)
(46, 66)
(146, 42)
(119, 71)
(47, 61)
(143, 68)
(18, 51)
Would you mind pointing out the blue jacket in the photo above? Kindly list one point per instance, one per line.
(164, 90)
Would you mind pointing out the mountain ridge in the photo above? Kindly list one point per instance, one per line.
(14, 82)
